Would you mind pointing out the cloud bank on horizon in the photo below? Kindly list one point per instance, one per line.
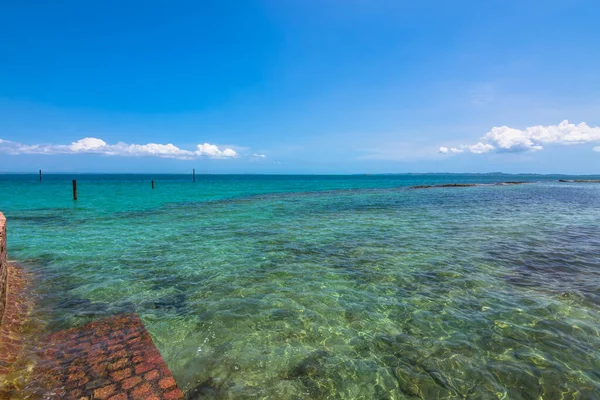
(504, 139)
(90, 145)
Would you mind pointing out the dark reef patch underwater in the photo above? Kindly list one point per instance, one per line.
(330, 287)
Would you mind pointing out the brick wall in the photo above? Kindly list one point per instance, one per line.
(3, 265)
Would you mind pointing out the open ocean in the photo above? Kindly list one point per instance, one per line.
(328, 287)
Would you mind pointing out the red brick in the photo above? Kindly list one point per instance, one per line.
(139, 346)
(164, 370)
(142, 391)
(166, 383)
(119, 364)
(134, 340)
(51, 353)
(141, 368)
(77, 363)
(96, 359)
(130, 348)
(104, 392)
(69, 386)
(114, 342)
(121, 396)
(75, 394)
(82, 346)
(8, 339)
(102, 330)
(76, 375)
(131, 336)
(121, 374)
(173, 395)
(154, 358)
(73, 368)
(152, 375)
(99, 369)
(138, 359)
(115, 347)
(10, 358)
(10, 348)
(118, 354)
(130, 382)
(53, 377)
(86, 338)
(83, 381)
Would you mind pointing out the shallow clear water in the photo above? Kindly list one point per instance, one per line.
(340, 287)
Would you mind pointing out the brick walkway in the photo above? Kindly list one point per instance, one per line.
(113, 358)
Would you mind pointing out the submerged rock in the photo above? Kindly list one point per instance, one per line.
(312, 372)
(281, 314)
(171, 302)
(580, 180)
(360, 345)
(457, 185)
(440, 379)
(446, 185)
(209, 388)
(407, 383)
(311, 365)
(383, 342)
(79, 306)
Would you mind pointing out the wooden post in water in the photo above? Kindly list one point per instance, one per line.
(153, 184)
(74, 189)
(40, 175)
(194, 174)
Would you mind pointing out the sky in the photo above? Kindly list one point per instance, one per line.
(300, 86)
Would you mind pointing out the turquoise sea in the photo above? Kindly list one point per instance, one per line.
(328, 287)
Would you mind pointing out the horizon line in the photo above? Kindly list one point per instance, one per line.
(298, 174)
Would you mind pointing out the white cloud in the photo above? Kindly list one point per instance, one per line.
(478, 148)
(445, 150)
(99, 146)
(87, 144)
(150, 149)
(597, 148)
(505, 139)
(213, 151)
(256, 157)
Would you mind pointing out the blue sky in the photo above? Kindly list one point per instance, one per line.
(296, 86)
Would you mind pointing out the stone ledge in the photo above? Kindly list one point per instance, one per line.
(17, 308)
(3, 266)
